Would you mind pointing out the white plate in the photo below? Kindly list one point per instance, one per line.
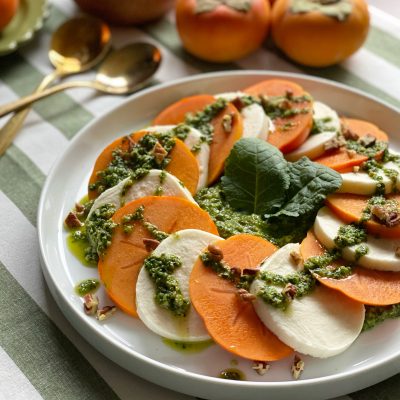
(372, 358)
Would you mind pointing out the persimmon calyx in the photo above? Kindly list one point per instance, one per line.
(204, 6)
(338, 9)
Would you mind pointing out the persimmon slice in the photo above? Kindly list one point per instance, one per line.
(120, 266)
(230, 321)
(343, 161)
(222, 141)
(367, 286)
(349, 208)
(290, 132)
(183, 163)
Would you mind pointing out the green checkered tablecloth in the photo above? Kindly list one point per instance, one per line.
(41, 355)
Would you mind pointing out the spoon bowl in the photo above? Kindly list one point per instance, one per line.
(123, 71)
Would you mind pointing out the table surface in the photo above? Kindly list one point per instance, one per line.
(41, 355)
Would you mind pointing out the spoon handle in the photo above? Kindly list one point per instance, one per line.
(27, 100)
(13, 125)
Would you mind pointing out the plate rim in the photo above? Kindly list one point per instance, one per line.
(173, 371)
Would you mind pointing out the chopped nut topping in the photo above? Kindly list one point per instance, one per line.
(334, 143)
(90, 304)
(105, 312)
(351, 153)
(245, 295)
(348, 134)
(290, 291)
(397, 252)
(215, 252)
(285, 104)
(297, 258)
(159, 153)
(289, 94)
(238, 103)
(261, 367)
(356, 168)
(237, 272)
(79, 207)
(264, 99)
(368, 140)
(387, 215)
(150, 244)
(227, 122)
(250, 271)
(72, 221)
(297, 367)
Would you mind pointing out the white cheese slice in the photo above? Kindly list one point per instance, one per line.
(313, 147)
(321, 324)
(186, 244)
(381, 252)
(193, 139)
(255, 122)
(147, 186)
(362, 183)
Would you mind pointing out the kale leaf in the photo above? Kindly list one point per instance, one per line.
(256, 177)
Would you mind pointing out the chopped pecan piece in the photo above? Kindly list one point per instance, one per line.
(335, 143)
(290, 291)
(386, 215)
(215, 252)
(250, 271)
(150, 244)
(238, 103)
(79, 208)
(289, 94)
(297, 258)
(397, 252)
(72, 221)
(348, 134)
(368, 140)
(105, 313)
(227, 122)
(261, 367)
(245, 295)
(159, 153)
(237, 272)
(351, 153)
(90, 304)
(356, 168)
(297, 367)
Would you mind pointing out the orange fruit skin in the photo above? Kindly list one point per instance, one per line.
(315, 39)
(8, 8)
(223, 34)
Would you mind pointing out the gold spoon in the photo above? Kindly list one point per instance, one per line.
(123, 71)
(77, 45)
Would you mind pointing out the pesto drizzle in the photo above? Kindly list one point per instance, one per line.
(375, 315)
(168, 293)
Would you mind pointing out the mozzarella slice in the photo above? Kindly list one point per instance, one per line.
(147, 186)
(321, 324)
(381, 252)
(192, 139)
(313, 147)
(362, 183)
(255, 122)
(186, 244)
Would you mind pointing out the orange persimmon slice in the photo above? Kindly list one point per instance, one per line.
(230, 321)
(343, 161)
(376, 288)
(183, 163)
(289, 132)
(222, 141)
(349, 208)
(120, 266)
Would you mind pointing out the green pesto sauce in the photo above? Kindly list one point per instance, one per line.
(135, 161)
(87, 286)
(78, 246)
(322, 125)
(350, 235)
(361, 251)
(374, 170)
(321, 265)
(188, 347)
(272, 292)
(376, 315)
(233, 374)
(167, 291)
(201, 120)
(369, 151)
(277, 106)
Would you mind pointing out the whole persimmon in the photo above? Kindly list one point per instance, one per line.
(222, 30)
(8, 8)
(319, 33)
